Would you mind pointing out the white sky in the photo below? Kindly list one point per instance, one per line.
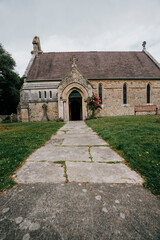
(79, 25)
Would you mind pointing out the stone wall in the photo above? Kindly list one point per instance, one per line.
(33, 96)
(36, 111)
(24, 115)
(112, 95)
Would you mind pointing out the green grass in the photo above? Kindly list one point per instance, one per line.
(17, 142)
(137, 139)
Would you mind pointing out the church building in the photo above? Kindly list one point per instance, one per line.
(58, 84)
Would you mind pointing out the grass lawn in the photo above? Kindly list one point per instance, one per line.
(17, 142)
(137, 139)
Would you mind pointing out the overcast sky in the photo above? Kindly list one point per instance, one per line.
(79, 25)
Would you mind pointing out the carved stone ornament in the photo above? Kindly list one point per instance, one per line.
(74, 60)
(36, 46)
(45, 117)
(144, 45)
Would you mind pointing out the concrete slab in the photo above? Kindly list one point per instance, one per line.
(60, 154)
(55, 141)
(104, 154)
(46, 208)
(74, 211)
(71, 145)
(75, 125)
(31, 172)
(80, 133)
(85, 140)
(101, 173)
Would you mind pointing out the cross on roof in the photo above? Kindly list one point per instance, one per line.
(74, 60)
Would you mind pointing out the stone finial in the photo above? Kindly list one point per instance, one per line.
(144, 45)
(36, 46)
(74, 60)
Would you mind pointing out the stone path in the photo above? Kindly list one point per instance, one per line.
(76, 154)
(101, 201)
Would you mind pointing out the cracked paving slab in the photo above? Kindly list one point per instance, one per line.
(60, 154)
(104, 154)
(101, 173)
(80, 148)
(41, 172)
(83, 140)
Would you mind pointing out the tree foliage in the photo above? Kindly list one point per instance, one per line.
(10, 83)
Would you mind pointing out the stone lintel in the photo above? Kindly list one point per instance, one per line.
(138, 87)
(43, 100)
(112, 87)
(40, 88)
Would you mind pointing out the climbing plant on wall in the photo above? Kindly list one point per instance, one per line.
(94, 104)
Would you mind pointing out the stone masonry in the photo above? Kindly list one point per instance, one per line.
(50, 78)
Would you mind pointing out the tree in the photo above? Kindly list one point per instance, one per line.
(10, 83)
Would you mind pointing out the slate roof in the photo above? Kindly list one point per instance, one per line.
(94, 65)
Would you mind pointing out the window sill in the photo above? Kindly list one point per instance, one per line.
(125, 105)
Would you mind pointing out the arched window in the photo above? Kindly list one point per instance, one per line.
(40, 94)
(45, 94)
(50, 93)
(100, 92)
(148, 93)
(125, 93)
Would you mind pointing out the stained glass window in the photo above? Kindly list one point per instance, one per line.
(148, 93)
(100, 92)
(124, 93)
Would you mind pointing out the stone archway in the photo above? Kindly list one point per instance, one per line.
(66, 100)
(74, 81)
(75, 106)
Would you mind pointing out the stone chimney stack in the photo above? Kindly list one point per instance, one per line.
(36, 46)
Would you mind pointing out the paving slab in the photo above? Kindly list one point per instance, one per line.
(104, 154)
(47, 172)
(101, 173)
(49, 153)
(101, 201)
(48, 211)
(80, 134)
(76, 126)
(55, 141)
(83, 140)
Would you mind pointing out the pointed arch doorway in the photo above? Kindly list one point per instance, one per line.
(75, 106)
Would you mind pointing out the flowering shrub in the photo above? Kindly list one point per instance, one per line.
(94, 104)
